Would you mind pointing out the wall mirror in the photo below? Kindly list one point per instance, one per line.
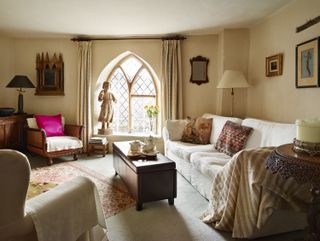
(50, 75)
(199, 70)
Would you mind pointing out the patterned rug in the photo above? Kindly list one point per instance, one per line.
(113, 193)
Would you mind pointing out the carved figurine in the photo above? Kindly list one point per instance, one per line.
(106, 112)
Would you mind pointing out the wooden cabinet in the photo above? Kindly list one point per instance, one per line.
(12, 132)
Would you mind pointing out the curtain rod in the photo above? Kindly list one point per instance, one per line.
(81, 39)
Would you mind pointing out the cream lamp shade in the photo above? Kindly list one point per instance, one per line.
(232, 79)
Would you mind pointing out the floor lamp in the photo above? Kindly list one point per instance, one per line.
(232, 79)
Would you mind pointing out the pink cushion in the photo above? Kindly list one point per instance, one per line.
(51, 124)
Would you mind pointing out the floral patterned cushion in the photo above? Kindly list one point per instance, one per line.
(232, 138)
(197, 131)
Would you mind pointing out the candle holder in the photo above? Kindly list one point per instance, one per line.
(307, 147)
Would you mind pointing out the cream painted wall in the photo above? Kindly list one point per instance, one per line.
(24, 55)
(20, 56)
(276, 98)
(234, 49)
(6, 71)
(199, 99)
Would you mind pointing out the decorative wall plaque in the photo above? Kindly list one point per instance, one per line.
(50, 75)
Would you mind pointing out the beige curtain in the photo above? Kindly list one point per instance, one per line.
(171, 83)
(84, 89)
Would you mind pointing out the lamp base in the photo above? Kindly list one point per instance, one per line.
(20, 104)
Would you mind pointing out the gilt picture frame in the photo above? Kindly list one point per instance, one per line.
(274, 65)
(50, 74)
(307, 64)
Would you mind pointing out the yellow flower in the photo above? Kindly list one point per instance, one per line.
(152, 110)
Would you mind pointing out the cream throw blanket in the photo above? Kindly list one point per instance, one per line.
(69, 212)
(244, 194)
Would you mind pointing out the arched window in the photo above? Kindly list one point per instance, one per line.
(134, 87)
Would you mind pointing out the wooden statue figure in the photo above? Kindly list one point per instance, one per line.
(107, 110)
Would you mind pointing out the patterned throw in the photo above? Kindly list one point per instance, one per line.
(245, 194)
(112, 191)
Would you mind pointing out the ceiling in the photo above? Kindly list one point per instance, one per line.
(106, 18)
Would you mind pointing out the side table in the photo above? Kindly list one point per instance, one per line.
(97, 148)
(304, 168)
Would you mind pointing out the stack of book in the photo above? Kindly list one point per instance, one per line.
(98, 140)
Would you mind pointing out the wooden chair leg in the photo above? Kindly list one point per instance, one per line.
(75, 157)
(50, 161)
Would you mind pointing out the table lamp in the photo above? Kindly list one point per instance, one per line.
(20, 81)
(232, 79)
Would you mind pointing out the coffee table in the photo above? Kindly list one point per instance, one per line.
(147, 180)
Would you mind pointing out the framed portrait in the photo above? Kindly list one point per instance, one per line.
(274, 65)
(199, 70)
(307, 64)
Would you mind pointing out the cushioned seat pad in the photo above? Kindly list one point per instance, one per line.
(209, 163)
(59, 143)
(184, 150)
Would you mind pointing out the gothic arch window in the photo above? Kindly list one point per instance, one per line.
(134, 87)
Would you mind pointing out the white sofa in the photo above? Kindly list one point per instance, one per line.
(199, 163)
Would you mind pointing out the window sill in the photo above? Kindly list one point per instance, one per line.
(134, 136)
(137, 134)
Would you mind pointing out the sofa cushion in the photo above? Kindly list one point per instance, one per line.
(175, 129)
(51, 124)
(59, 143)
(218, 123)
(197, 131)
(232, 138)
(209, 164)
(267, 133)
(183, 150)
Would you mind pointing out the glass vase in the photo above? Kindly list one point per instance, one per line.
(151, 125)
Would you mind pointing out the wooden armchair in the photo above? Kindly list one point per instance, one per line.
(54, 146)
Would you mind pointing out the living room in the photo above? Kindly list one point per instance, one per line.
(239, 45)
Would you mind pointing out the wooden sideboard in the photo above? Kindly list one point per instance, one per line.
(12, 132)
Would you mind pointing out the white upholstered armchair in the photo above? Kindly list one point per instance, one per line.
(53, 215)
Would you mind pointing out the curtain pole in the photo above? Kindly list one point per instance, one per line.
(82, 39)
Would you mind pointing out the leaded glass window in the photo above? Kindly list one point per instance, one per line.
(134, 87)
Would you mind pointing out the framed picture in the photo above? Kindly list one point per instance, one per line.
(307, 64)
(199, 70)
(50, 74)
(274, 65)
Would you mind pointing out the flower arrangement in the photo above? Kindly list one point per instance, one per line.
(152, 110)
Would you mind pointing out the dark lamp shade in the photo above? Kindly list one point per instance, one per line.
(20, 81)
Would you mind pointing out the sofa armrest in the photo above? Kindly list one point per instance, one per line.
(165, 136)
(36, 138)
(62, 204)
(74, 130)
